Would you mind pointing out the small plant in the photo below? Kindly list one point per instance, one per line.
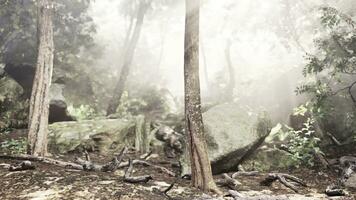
(304, 144)
(81, 113)
(14, 146)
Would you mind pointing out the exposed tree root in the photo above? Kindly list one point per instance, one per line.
(286, 179)
(135, 179)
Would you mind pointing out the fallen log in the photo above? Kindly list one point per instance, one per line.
(135, 179)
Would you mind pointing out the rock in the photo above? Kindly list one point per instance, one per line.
(261, 160)
(232, 134)
(351, 182)
(58, 107)
(13, 107)
(23, 74)
(101, 135)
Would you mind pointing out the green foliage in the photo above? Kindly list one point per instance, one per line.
(330, 68)
(83, 112)
(14, 146)
(303, 144)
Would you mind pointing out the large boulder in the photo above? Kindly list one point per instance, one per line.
(261, 160)
(100, 134)
(13, 107)
(232, 133)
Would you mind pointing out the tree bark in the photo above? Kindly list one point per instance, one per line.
(130, 51)
(200, 165)
(39, 103)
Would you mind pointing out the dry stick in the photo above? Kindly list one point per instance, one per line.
(283, 178)
(145, 163)
(135, 179)
(228, 181)
(44, 160)
(109, 167)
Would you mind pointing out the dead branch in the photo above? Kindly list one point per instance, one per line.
(147, 164)
(228, 181)
(286, 179)
(43, 160)
(111, 166)
(146, 156)
(114, 164)
(135, 179)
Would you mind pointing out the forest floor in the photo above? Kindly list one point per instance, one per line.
(53, 182)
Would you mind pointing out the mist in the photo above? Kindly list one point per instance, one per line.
(169, 99)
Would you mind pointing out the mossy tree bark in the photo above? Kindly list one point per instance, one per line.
(130, 51)
(39, 103)
(200, 165)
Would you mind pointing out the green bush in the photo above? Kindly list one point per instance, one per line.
(14, 146)
(303, 144)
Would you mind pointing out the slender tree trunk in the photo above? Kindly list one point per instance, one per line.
(130, 51)
(231, 85)
(200, 165)
(206, 74)
(39, 103)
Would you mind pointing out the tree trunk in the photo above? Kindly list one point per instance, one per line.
(231, 85)
(39, 103)
(130, 51)
(206, 74)
(200, 165)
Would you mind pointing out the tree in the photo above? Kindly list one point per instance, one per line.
(130, 47)
(39, 103)
(200, 165)
(330, 72)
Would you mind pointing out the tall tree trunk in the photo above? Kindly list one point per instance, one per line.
(130, 51)
(200, 165)
(206, 74)
(231, 85)
(39, 103)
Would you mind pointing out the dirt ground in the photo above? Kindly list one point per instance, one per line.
(52, 182)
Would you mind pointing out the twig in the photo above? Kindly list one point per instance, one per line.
(145, 163)
(138, 179)
(44, 160)
(285, 179)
